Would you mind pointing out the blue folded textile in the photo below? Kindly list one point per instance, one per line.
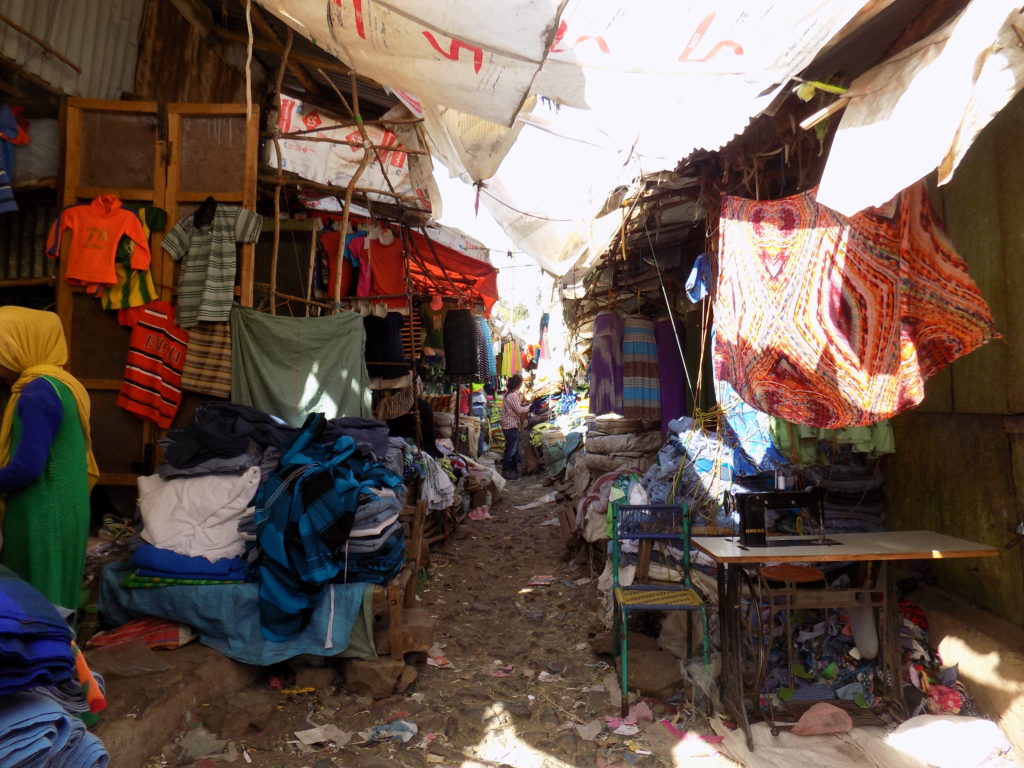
(227, 618)
(35, 642)
(148, 560)
(36, 733)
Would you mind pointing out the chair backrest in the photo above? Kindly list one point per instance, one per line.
(651, 522)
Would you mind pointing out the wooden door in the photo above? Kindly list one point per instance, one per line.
(172, 157)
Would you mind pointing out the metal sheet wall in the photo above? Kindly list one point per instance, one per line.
(100, 36)
(959, 465)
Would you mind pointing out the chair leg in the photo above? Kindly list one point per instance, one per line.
(706, 644)
(624, 662)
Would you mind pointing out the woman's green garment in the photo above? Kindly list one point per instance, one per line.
(47, 523)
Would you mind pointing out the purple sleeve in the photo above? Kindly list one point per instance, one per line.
(40, 412)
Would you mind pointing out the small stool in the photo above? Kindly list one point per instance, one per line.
(790, 576)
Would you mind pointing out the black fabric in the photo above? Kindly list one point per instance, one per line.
(203, 217)
(384, 345)
(223, 430)
(405, 426)
(460, 343)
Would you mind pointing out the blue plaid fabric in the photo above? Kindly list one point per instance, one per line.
(304, 515)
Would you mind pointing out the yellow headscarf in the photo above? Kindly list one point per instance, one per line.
(32, 344)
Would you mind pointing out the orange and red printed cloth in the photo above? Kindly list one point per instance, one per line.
(832, 321)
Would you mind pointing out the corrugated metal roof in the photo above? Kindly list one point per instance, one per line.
(100, 36)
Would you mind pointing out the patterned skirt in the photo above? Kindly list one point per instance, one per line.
(641, 390)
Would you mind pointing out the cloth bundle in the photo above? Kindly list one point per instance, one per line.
(616, 451)
(35, 732)
(45, 685)
(35, 642)
(306, 513)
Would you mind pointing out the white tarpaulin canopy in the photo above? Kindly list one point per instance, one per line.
(922, 109)
(556, 103)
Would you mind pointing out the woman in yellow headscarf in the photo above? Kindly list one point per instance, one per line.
(46, 463)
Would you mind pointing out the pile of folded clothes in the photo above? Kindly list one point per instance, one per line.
(45, 685)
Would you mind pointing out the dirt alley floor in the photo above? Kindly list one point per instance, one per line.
(523, 672)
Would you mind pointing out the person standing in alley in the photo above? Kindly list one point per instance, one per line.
(513, 409)
(46, 464)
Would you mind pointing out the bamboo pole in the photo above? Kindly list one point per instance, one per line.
(347, 208)
(275, 253)
(345, 143)
(41, 43)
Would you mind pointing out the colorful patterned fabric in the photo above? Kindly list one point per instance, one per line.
(832, 321)
(641, 390)
(134, 287)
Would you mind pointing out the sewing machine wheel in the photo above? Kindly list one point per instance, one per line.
(753, 639)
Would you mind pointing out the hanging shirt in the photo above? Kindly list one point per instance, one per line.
(152, 376)
(832, 321)
(206, 289)
(134, 287)
(11, 132)
(96, 229)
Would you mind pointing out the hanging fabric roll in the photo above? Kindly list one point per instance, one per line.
(641, 393)
(671, 376)
(460, 352)
(606, 365)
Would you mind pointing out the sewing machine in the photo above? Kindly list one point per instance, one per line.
(756, 520)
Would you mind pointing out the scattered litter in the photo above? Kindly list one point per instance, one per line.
(547, 498)
(637, 713)
(627, 730)
(547, 677)
(246, 756)
(324, 733)
(436, 658)
(707, 738)
(583, 581)
(399, 730)
(541, 581)
(480, 513)
(534, 616)
(589, 731)
(504, 670)
(550, 521)
(417, 697)
(292, 691)
(581, 646)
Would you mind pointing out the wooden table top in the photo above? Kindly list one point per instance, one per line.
(884, 545)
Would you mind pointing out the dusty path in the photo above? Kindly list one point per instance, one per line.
(522, 668)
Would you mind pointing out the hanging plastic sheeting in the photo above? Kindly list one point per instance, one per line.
(478, 58)
(640, 86)
(922, 109)
(328, 163)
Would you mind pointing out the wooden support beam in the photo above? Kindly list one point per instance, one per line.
(197, 14)
(261, 43)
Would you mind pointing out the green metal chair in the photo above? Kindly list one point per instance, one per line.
(669, 524)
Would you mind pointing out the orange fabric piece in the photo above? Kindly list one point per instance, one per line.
(96, 229)
(93, 695)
